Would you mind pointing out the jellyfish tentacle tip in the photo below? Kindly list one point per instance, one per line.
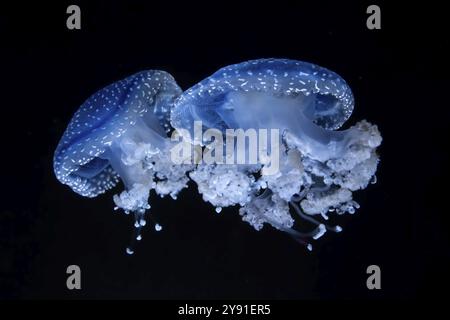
(321, 229)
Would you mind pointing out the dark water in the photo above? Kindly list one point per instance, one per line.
(48, 71)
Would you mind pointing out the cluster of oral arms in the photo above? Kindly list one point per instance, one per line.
(292, 162)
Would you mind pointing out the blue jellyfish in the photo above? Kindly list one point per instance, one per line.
(120, 133)
(319, 166)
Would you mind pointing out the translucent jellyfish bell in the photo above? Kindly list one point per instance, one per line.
(321, 94)
(319, 167)
(120, 132)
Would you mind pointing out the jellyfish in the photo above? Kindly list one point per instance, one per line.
(121, 133)
(320, 165)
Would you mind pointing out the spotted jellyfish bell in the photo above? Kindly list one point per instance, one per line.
(319, 166)
(120, 132)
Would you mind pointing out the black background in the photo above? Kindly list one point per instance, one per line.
(399, 80)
